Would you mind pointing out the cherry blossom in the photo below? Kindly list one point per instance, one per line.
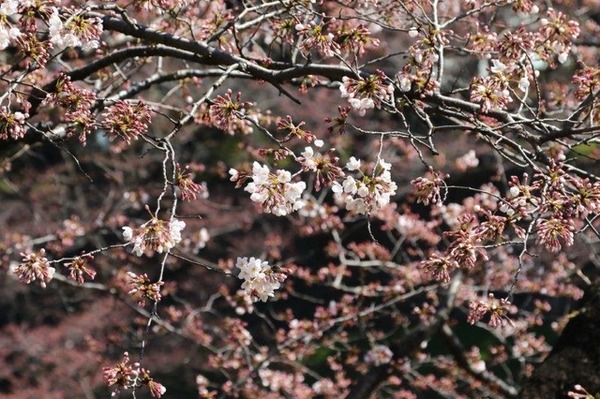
(349, 118)
(368, 193)
(275, 192)
(260, 279)
(154, 235)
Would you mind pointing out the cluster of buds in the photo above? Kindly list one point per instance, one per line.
(227, 113)
(79, 267)
(586, 81)
(154, 235)
(35, 266)
(428, 189)
(286, 124)
(522, 197)
(126, 120)
(557, 33)
(439, 267)
(490, 93)
(559, 202)
(12, 124)
(369, 193)
(187, 188)
(338, 123)
(498, 310)
(555, 232)
(77, 104)
(464, 250)
(127, 375)
(586, 198)
(314, 37)
(141, 288)
(274, 191)
(355, 39)
(260, 279)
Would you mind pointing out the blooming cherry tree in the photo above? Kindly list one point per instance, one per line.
(296, 198)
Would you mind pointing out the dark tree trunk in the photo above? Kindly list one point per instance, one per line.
(575, 359)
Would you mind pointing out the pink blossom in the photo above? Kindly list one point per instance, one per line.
(35, 266)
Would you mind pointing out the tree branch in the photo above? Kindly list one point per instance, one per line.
(366, 385)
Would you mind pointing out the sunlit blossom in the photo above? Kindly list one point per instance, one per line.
(260, 280)
(154, 235)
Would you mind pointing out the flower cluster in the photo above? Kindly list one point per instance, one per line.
(77, 104)
(498, 310)
(428, 189)
(197, 240)
(366, 93)
(465, 249)
(35, 266)
(490, 93)
(226, 113)
(77, 31)
(379, 355)
(416, 73)
(324, 165)
(8, 33)
(158, 6)
(126, 120)
(469, 160)
(525, 6)
(355, 39)
(65, 94)
(369, 193)
(35, 52)
(141, 288)
(286, 124)
(557, 33)
(586, 81)
(12, 124)
(274, 191)
(512, 45)
(127, 375)
(154, 235)
(522, 197)
(187, 188)
(80, 266)
(260, 279)
(439, 267)
(314, 37)
(338, 123)
(555, 232)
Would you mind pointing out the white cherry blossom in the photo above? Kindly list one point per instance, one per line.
(260, 280)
